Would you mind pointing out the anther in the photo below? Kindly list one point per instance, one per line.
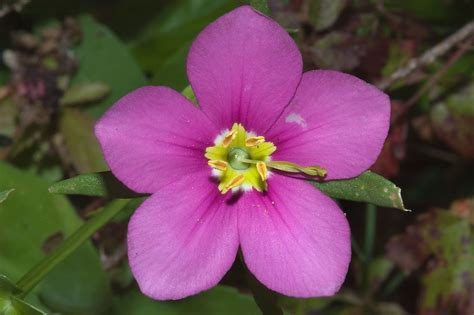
(262, 170)
(229, 138)
(217, 164)
(254, 141)
(235, 182)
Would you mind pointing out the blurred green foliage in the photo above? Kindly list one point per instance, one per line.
(33, 222)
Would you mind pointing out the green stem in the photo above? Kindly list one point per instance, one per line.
(356, 248)
(370, 223)
(369, 240)
(69, 245)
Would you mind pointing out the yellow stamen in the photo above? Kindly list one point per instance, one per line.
(229, 138)
(254, 141)
(217, 164)
(243, 161)
(262, 170)
(235, 182)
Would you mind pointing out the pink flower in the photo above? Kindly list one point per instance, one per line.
(216, 173)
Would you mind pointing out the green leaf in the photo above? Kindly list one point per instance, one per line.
(189, 94)
(453, 120)
(332, 52)
(6, 286)
(104, 58)
(85, 93)
(4, 194)
(368, 187)
(433, 10)
(68, 246)
(266, 299)
(441, 243)
(216, 301)
(162, 48)
(293, 305)
(84, 150)
(29, 218)
(450, 276)
(14, 306)
(322, 14)
(103, 184)
(9, 304)
(261, 6)
(378, 271)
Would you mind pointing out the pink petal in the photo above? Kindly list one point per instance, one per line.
(183, 239)
(244, 68)
(295, 240)
(154, 136)
(336, 121)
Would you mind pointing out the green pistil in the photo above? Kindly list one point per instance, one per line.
(235, 157)
(289, 167)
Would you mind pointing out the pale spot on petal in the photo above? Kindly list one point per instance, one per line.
(296, 118)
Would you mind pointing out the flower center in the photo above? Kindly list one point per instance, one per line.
(241, 161)
(235, 157)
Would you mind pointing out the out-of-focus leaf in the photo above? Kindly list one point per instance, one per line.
(459, 71)
(103, 184)
(9, 304)
(162, 48)
(398, 55)
(322, 14)
(464, 208)
(453, 121)
(28, 218)
(7, 117)
(337, 50)
(85, 93)
(385, 308)
(448, 283)
(53, 299)
(14, 306)
(8, 112)
(84, 150)
(4, 194)
(445, 241)
(261, 6)
(104, 58)
(407, 251)
(437, 10)
(394, 148)
(6, 286)
(368, 187)
(304, 306)
(217, 301)
(378, 270)
(266, 299)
